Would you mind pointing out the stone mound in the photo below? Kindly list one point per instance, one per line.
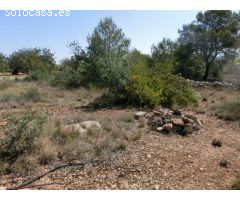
(172, 121)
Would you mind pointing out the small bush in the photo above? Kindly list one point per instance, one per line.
(5, 84)
(224, 163)
(32, 94)
(236, 184)
(22, 132)
(177, 91)
(68, 79)
(229, 110)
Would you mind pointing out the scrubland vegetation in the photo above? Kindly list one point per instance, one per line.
(108, 73)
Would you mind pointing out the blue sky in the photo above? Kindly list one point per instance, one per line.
(143, 28)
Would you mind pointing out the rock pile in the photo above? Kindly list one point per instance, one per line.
(207, 83)
(172, 121)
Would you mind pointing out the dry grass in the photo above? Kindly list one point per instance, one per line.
(229, 110)
(63, 107)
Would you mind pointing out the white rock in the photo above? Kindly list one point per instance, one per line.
(139, 114)
(90, 124)
(149, 156)
(74, 128)
(159, 129)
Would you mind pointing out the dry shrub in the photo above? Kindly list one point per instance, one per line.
(229, 110)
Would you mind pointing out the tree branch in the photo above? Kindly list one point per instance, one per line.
(23, 185)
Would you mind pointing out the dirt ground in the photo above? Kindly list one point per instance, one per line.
(155, 161)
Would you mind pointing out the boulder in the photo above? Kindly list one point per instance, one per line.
(155, 122)
(90, 124)
(177, 112)
(187, 120)
(158, 113)
(177, 121)
(139, 114)
(74, 128)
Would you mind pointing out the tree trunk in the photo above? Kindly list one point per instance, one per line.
(205, 76)
(15, 72)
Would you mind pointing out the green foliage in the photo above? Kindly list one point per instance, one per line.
(177, 91)
(236, 184)
(224, 163)
(163, 52)
(157, 85)
(22, 132)
(213, 34)
(187, 63)
(35, 62)
(3, 63)
(237, 60)
(143, 87)
(108, 61)
(229, 110)
(68, 79)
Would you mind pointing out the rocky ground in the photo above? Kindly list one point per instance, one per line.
(160, 161)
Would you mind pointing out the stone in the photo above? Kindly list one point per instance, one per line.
(158, 113)
(217, 83)
(216, 143)
(74, 128)
(148, 115)
(177, 112)
(159, 129)
(139, 114)
(198, 122)
(168, 127)
(187, 120)
(3, 123)
(156, 121)
(149, 156)
(177, 121)
(90, 124)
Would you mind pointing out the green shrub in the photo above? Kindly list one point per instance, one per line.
(68, 79)
(224, 163)
(236, 184)
(177, 91)
(229, 110)
(145, 89)
(22, 131)
(157, 86)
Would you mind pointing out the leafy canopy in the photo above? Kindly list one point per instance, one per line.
(213, 34)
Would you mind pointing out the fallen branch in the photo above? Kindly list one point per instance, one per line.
(23, 185)
(44, 184)
(27, 183)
